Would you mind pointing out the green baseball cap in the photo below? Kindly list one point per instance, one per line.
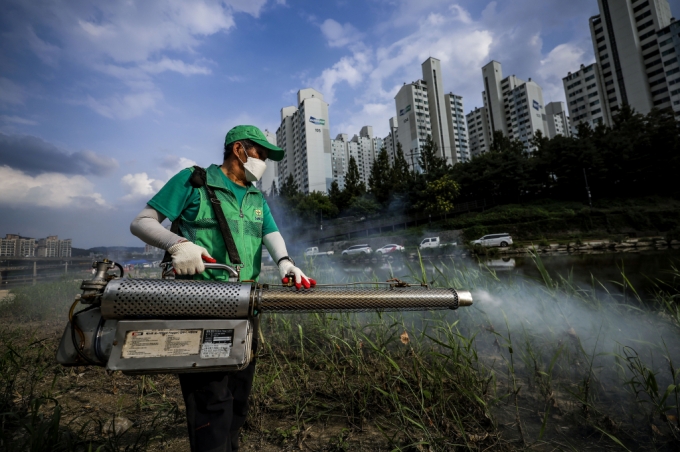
(254, 134)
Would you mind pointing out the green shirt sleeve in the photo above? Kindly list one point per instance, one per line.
(177, 196)
(268, 223)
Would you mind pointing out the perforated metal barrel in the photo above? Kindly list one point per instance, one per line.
(160, 298)
(325, 299)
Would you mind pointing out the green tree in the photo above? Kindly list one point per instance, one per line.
(289, 189)
(432, 165)
(310, 208)
(438, 196)
(354, 186)
(379, 180)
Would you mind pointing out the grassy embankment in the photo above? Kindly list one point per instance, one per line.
(549, 365)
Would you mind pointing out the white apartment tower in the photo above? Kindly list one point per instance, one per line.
(479, 131)
(636, 53)
(413, 116)
(390, 141)
(339, 158)
(363, 147)
(512, 106)
(432, 74)
(586, 96)
(304, 134)
(626, 48)
(269, 176)
(558, 121)
(458, 131)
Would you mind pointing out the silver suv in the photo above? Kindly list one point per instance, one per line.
(494, 240)
(358, 249)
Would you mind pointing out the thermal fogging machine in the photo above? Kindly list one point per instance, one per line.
(147, 326)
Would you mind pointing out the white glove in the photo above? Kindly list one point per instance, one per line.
(286, 267)
(187, 258)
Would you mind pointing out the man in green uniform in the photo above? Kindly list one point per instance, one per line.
(217, 402)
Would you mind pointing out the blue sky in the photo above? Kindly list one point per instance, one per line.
(102, 101)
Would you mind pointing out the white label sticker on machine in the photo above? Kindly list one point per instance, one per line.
(217, 343)
(160, 343)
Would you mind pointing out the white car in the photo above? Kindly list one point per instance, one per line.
(430, 242)
(502, 240)
(389, 249)
(357, 249)
(314, 251)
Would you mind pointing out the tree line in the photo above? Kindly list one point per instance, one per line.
(639, 155)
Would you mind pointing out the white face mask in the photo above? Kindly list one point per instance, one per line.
(254, 168)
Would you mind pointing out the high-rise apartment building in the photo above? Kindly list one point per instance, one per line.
(304, 134)
(432, 74)
(424, 109)
(558, 121)
(339, 156)
(457, 125)
(269, 177)
(636, 53)
(390, 141)
(586, 96)
(512, 106)
(364, 148)
(479, 131)
(413, 115)
(14, 245)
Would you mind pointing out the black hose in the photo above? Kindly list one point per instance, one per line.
(120, 267)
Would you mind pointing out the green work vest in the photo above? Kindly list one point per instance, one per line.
(245, 223)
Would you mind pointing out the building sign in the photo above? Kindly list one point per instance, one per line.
(536, 105)
(317, 121)
(403, 111)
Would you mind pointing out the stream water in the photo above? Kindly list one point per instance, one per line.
(644, 270)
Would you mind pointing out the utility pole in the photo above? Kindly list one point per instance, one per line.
(590, 201)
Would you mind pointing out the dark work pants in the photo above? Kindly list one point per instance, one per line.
(217, 406)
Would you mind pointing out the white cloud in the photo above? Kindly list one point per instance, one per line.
(174, 164)
(124, 106)
(47, 190)
(166, 64)
(18, 120)
(350, 69)
(557, 64)
(139, 185)
(339, 35)
(129, 40)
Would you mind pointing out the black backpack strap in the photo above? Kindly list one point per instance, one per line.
(199, 179)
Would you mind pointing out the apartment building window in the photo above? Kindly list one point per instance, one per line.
(663, 43)
(640, 6)
(594, 112)
(643, 15)
(657, 82)
(661, 101)
(667, 52)
(673, 71)
(648, 34)
(592, 94)
(598, 30)
(653, 63)
(607, 74)
(590, 77)
(595, 102)
(650, 54)
(671, 61)
(610, 82)
(645, 25)
(604, 57)
(606, 65)
(649, 45)
(659, 91)
(611, 91)
(600, 39)
(601, 48)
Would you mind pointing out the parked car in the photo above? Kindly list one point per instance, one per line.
(314, 251)
(494, 240)
(430, 242)
(357, 249)
(389, 249)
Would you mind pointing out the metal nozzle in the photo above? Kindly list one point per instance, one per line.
(464, 298)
